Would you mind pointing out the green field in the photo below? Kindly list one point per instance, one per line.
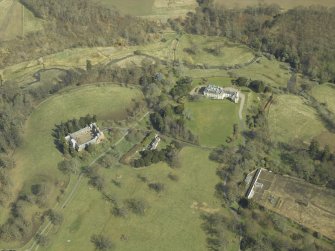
(271, 72)
(156, 9)
(325, 94)
(172, 221)
(16, 20)
(37, 158)
(131, 7)
(285, 4)
(229, 53)
(290, 119)
(212, 120)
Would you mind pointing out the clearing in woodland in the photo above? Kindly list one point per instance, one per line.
(290, 119)
(325, 94)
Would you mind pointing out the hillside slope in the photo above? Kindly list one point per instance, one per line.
(16, 20)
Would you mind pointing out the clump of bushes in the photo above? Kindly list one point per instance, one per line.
(157, 187)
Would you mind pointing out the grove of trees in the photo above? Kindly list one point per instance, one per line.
(302, 36)
(71, 24)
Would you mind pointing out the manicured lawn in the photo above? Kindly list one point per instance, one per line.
(172, 222)
(212, 120)
(290, 119)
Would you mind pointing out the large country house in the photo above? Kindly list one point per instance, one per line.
(216, 92)
(86, 136)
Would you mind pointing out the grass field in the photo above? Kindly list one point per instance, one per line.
(271, 72)
(290, 119)
(159, 9)
(172, 221)
(37, 158)
(285, 4)
(212, 120)
(16, 20)
(38, 153)
(131, 7)
(325, 94)
(298, 200)
(230, 53)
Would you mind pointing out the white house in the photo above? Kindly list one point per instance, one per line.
(154, 143)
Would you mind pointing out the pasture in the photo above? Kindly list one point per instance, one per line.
(38, 157)
(290, 119)
(131, 7)
(285, 4)
(212, 120)
(156, 9)
(16, 20)
(325, 94)
(211, 51)
(307, 204)
(171, 222)
(272, 72)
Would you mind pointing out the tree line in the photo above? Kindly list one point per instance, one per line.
(302, 36)
(169, 155)
(72, 24)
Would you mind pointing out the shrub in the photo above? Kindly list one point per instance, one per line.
(137, 206)
(101, 242)
(173, 177)
(42, 240)
(119, 211)
(157, 187)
